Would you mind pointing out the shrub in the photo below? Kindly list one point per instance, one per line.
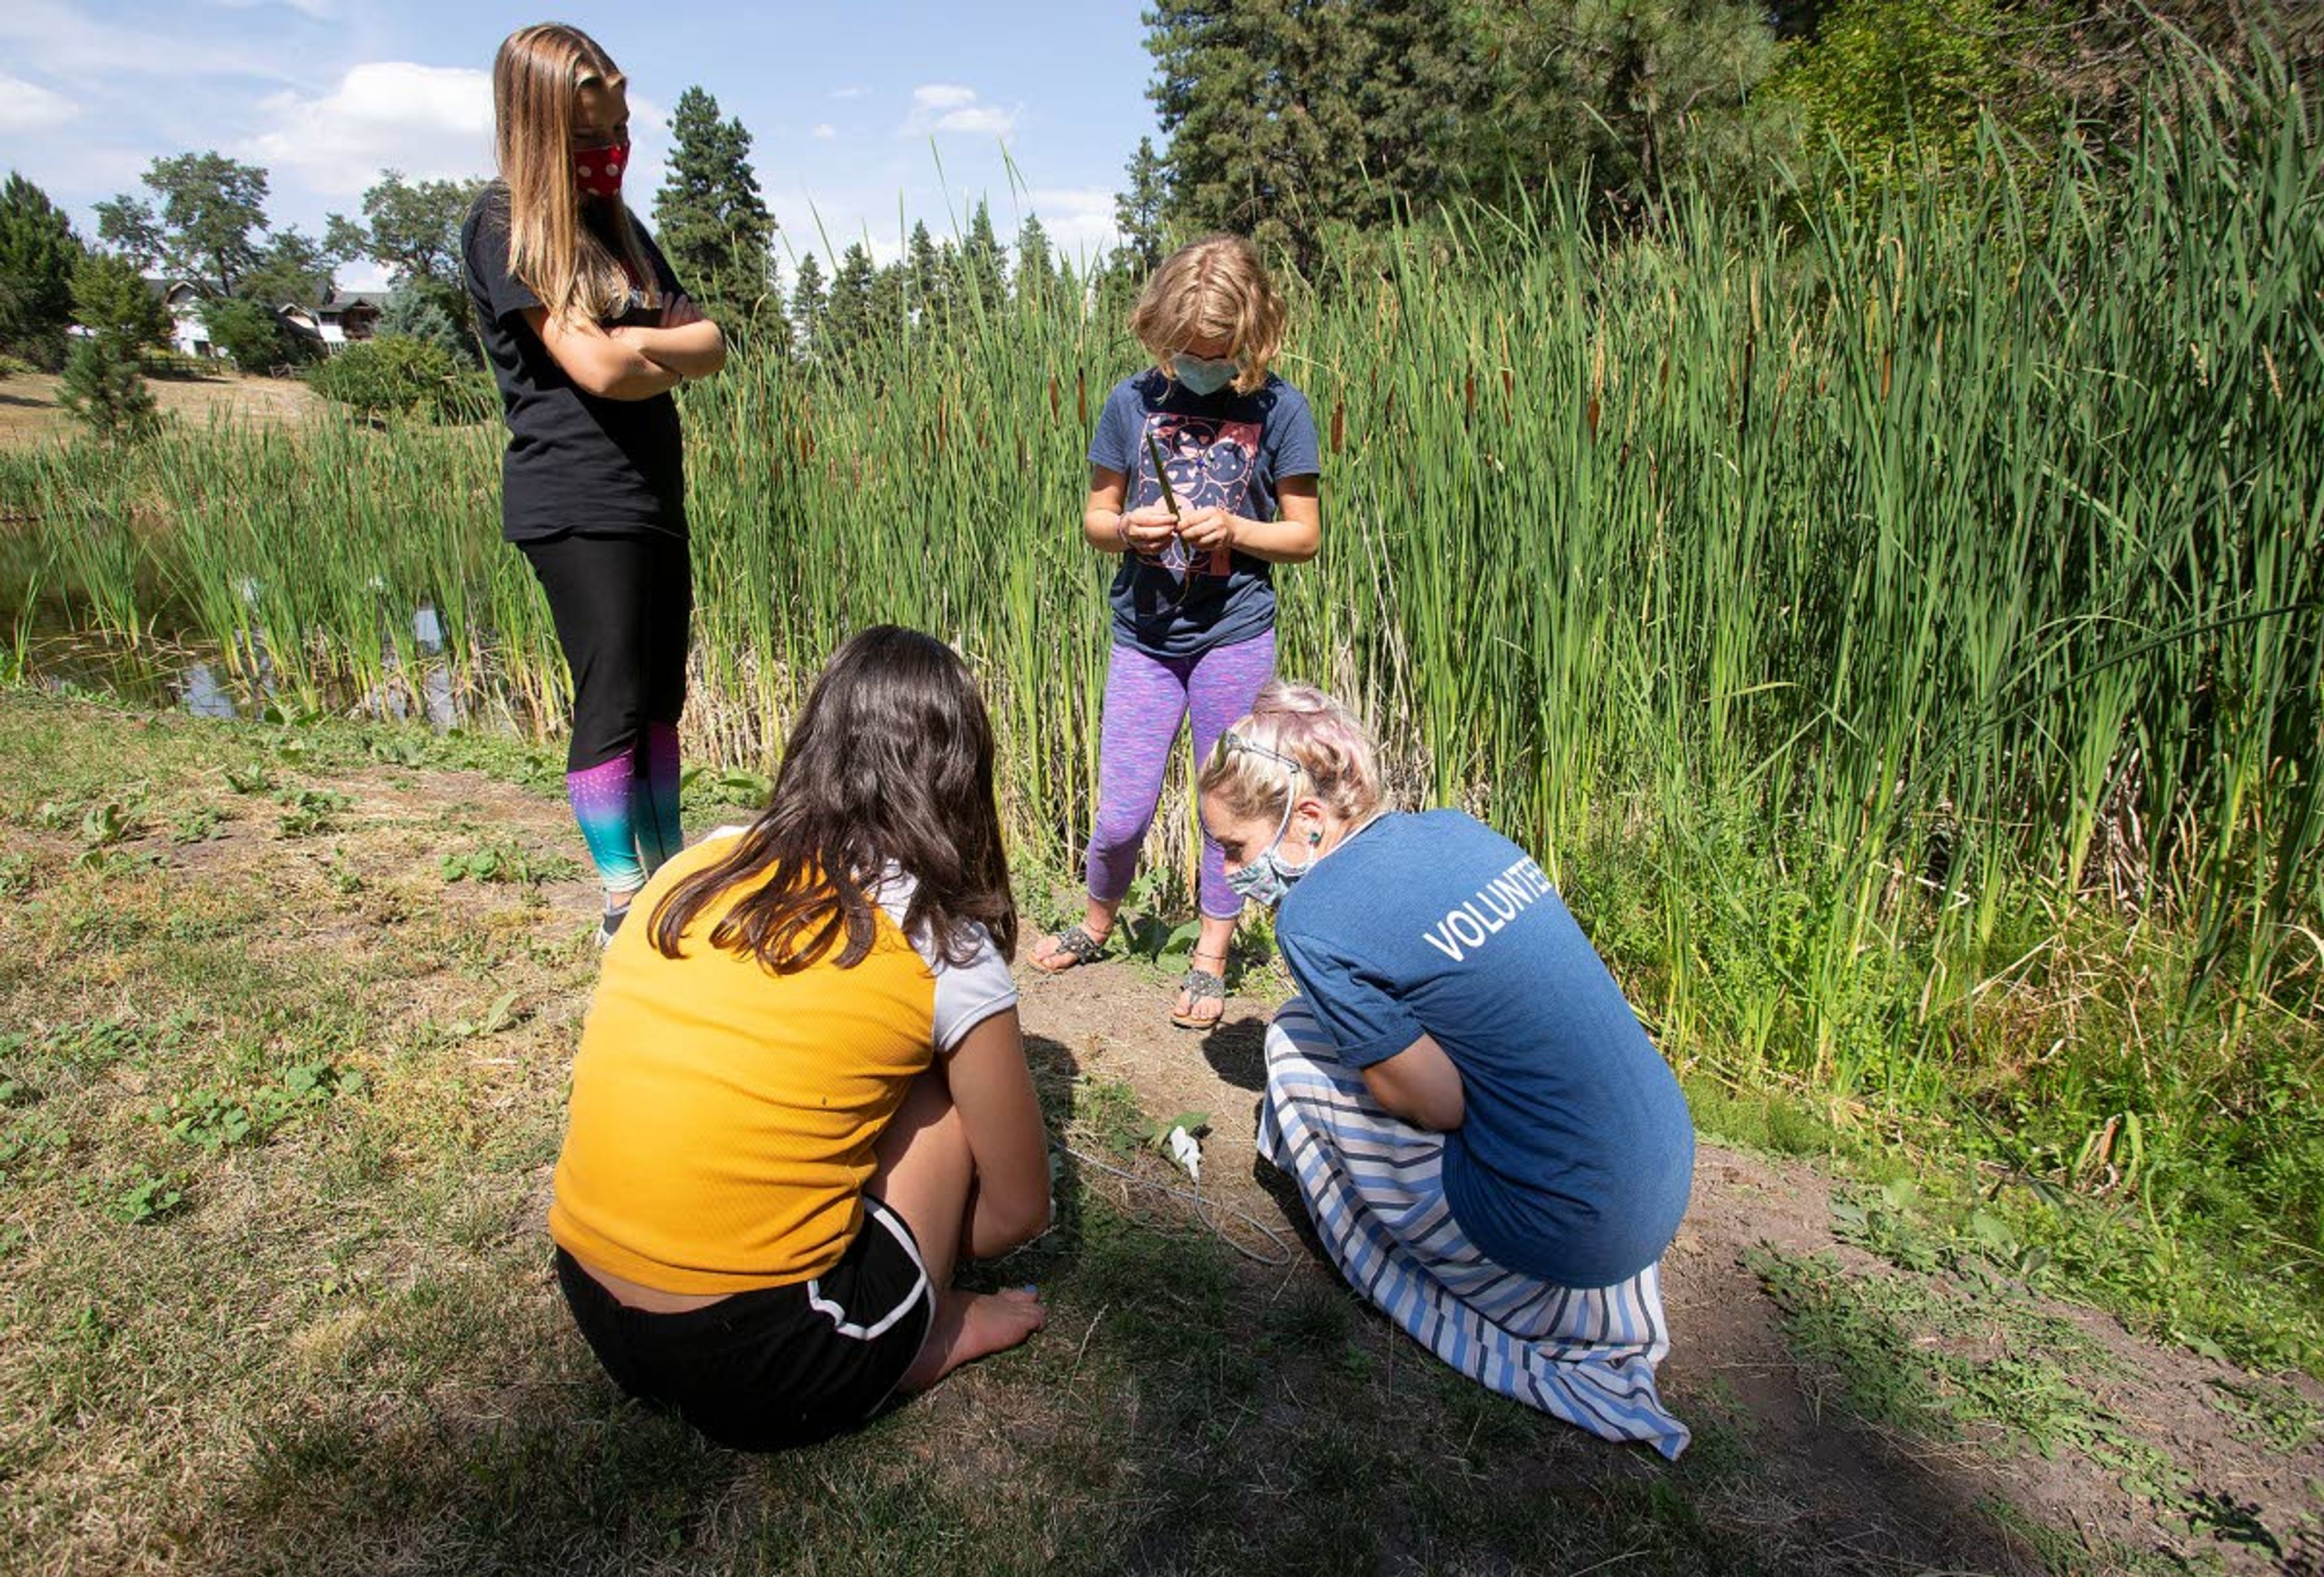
(102, 387)
(394, 374)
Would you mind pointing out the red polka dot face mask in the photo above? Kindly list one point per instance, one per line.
(599, 169)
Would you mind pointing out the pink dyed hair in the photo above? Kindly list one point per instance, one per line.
(1335, 752)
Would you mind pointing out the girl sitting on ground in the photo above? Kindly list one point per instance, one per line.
(802, 1092)
(1193, 599)
(1491, 1149)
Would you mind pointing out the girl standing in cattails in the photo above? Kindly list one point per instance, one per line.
(587, 332)
(1193, 601)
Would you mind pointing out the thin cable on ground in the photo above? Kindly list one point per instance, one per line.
(1202, 1210)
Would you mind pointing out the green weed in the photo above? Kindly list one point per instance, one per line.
(504, 860)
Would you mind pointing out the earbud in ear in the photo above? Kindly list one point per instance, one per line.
(1314, 837)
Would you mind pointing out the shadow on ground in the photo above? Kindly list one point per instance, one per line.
(1186, 1411)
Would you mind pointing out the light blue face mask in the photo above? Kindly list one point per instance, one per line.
(1203, 376)
(1266, 879)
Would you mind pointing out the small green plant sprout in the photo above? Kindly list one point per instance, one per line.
(704, 784)
(15, 875)
(505, 861)
(250, 780)
(2270, 1412)
(213, 1120)
(106, 823)
(400, 750)
(502, 1015)
(309, 811)
(149, 1198)
(196, 823)
(344, 879)
(53, 816)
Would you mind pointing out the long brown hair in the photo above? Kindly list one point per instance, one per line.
(537, 78)
(890, 761)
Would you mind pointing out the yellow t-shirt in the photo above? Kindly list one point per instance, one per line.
(723, 1116)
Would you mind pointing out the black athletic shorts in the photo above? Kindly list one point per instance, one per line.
(780, 1366)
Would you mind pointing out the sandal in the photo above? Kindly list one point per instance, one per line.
(1201, 986)
(1075, 947)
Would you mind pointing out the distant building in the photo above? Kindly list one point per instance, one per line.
(189, 333)
(344, 318)
(341, 319)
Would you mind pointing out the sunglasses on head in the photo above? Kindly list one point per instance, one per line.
(1235, 742)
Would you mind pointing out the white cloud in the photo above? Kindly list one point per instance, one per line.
(1079, 219)
(849, 92)
(430, 122)
(60, 42)
(25, 107)
(947, 107)
(824, 131)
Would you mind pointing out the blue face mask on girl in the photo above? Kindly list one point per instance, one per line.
(1267, 879)
(1203, 376)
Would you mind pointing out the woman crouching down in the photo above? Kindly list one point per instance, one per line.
(801, 1091)
(1493, 1152)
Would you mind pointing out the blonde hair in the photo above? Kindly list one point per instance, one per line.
(1336, 755)
(537, 81)
(1216, 288)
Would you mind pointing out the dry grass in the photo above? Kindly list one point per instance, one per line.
(30, 414)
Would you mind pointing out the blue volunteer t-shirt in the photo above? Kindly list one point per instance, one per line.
(1575, 1157)
(1226, 450)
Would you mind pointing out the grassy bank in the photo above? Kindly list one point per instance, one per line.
(285, 1020)
(1897, 623)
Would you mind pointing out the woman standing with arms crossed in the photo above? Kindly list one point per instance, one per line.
(587, 332)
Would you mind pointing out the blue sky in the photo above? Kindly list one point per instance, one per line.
(853, 107)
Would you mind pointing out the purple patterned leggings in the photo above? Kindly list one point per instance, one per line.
(1146, 699)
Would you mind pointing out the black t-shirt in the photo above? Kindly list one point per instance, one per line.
(575, 462)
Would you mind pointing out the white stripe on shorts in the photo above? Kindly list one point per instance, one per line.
(831, 1311)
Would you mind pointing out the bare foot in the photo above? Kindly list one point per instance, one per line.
(971, 1325)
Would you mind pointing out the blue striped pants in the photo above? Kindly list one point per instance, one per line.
(1373, 1185)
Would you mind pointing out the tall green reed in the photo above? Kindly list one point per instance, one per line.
(1943, 552)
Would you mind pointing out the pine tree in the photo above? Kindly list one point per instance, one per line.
(891, 298)
(1264, 138)
(419, 311)
(1411, 79)
(1642, 95)
(984, 272)
(1036, 264)
(103, 387)
(38, 252)
(103, 384)
(709, 218)
(848, 327)
(1138, 210)
(112, 301)
(807, 306)
(926, 277)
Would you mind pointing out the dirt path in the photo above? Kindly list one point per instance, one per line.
(1899, 1502)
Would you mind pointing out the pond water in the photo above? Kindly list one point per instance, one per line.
(199, 677)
